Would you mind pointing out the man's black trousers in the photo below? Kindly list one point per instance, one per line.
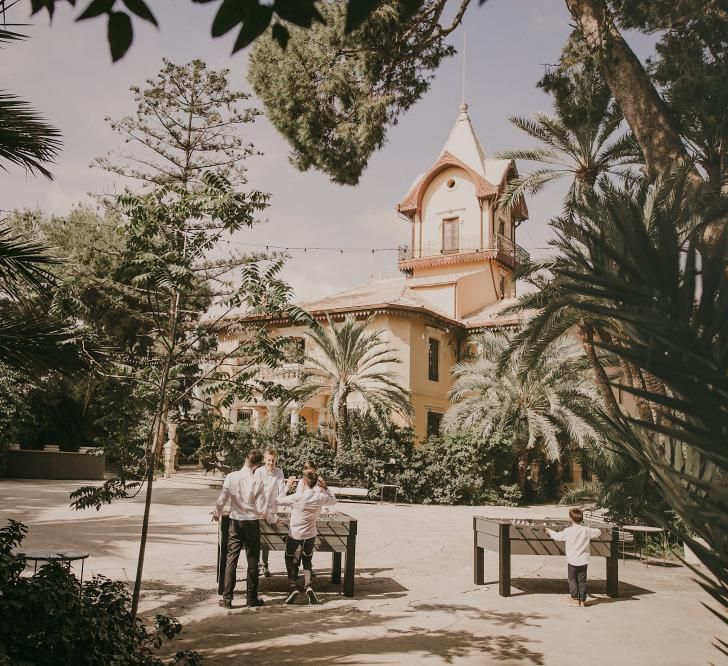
(242, 534)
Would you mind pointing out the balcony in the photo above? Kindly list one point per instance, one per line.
(505, 251)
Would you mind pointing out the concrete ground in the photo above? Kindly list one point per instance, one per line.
(415, 598)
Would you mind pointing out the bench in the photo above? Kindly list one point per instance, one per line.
(343, 489)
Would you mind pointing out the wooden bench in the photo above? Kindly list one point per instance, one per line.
(342, 489)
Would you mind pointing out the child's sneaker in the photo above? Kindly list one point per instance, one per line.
(292, 591)
(265, 570)
(312, 598)
(574, 602)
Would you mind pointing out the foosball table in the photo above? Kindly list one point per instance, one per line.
(336, 535)
(529, 537)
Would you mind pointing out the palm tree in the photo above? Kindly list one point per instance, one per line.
(30, 342)
(668, 309)
(26, 139)
(354, 364)
(545, 405)
(580, 143)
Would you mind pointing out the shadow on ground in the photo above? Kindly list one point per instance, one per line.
(627, 591)
(320, 635)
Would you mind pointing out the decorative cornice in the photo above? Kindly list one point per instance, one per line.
(412, 203)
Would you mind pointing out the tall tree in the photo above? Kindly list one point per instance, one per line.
(545, 405)
(332, 93)
(352, 365)
(188, 164)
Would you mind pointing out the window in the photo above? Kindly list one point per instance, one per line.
(433, 359)
(502, 287)
(433, 424)
(450, 235)
(451, 184)
(242, 416)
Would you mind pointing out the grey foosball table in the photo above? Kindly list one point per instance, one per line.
(336, 535)
(509, 537)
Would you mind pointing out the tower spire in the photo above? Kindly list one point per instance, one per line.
(463, 103)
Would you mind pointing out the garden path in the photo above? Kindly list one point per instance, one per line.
(415, 602)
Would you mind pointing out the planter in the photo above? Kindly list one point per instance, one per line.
(27, 464)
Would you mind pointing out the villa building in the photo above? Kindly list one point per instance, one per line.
(456, 278)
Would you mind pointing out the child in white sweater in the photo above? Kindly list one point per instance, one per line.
(305, 510)
(577, 538)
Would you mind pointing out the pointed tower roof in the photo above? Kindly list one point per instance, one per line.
(463, 143)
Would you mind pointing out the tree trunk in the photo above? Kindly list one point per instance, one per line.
(342, 427)
(644, 110)
(586, 332)
(522, 469)
(156, 438)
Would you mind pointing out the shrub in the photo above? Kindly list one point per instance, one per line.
(460, 468)
(47, 620)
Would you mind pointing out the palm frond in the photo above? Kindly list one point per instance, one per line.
(26, 139)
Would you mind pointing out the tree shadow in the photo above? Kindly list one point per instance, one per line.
(560, 586)
(272, 635)
(102, 535)
(512, 620)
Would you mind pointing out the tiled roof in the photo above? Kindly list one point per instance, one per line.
(377, 294)
(492, 316)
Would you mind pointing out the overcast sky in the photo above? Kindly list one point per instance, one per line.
(65, 71)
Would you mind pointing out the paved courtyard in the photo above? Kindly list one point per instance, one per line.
(415, 598)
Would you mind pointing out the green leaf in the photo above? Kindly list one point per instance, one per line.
(256, 22)
(281, 35)
(96, 8)
(228, 16)
(140, 8)
(359, 11)
(299, 12)
(120, 34)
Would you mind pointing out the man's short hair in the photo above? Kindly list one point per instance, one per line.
(576, 514)
(255, 457)
(310, 478)
(309, 464)
(270, 451)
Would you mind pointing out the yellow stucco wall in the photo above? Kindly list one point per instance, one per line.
(409, 335)
(475, 291)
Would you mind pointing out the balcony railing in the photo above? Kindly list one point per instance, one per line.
(507, 250)
(511, 249)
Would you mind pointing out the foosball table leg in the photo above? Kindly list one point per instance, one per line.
(350, 565)
(504, 560)
(478, 563)
(335, 568)
(613, 566)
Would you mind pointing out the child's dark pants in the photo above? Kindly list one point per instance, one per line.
(577, 581)
(306, 554)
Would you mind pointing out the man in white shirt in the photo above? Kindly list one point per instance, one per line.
(577, 538)
(247, 505)
(305, 510)
(274, 483)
